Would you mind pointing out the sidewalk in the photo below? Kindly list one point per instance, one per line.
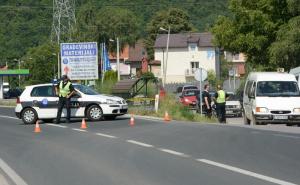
(8, 103)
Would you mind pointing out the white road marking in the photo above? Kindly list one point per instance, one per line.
(139, 143)
(12, 174)
(2, 116)
(105, 135)
(80, 130)
(173, 152)
(246, 172)
(288, 136)
(55, 125)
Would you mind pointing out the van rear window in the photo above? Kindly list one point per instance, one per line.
(277, 88)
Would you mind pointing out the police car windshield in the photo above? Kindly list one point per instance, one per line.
(277, 89)
(86, 90)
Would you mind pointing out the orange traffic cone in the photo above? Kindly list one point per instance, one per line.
(37, 128)
(167, 117)
(131, 123)
(83, 124)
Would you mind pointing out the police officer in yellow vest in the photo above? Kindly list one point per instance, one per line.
(64, 90)
(220, 100)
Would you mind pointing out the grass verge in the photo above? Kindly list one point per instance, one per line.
(175, 109)
(8, 102)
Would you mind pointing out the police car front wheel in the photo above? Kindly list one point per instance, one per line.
(29, 116)
(94, 113)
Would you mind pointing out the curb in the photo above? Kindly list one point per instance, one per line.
(6, 106)
(146, 117)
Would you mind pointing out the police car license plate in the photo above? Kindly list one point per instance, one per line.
(124, 107)
(229, 112)
(282, 117)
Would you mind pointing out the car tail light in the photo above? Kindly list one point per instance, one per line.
(18, 100)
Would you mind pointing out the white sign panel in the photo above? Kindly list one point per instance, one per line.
(79, 60)
(200, 74)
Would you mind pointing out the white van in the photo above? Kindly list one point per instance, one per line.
(271, 97)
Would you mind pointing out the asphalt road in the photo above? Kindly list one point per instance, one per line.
(150, 153)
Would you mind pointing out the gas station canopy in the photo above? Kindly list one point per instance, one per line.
(10, 72)
(14, 72)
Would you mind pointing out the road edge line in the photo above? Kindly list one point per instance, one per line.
(245, 172)
(11, 173)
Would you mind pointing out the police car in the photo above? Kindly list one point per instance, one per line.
(40, 102)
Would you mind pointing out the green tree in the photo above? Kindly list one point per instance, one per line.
(42, 64)
(252, 28)
(177, 19)
(285, 51)
(100, 25)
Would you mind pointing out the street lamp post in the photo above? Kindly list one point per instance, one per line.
(118, 56)
(165, 63)
(19, 63)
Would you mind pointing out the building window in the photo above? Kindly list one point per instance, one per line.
(193, 47)
(236, 57)
(194, 66)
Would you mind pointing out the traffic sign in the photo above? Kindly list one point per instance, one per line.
(200, 74)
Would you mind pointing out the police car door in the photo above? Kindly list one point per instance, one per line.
(77, 110)
(44, 101)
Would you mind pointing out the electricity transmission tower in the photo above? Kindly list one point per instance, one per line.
(63, 20)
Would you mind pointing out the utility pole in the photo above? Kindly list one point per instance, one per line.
(63, 23)
(118, 58)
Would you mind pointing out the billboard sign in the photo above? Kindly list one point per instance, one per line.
(79, 60)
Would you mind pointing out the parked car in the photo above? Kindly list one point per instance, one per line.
(40, 102)
(180, 89)
(12, 93)
(189, 98)
(233, 105)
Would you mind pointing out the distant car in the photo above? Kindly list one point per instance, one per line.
(40, 102)
(12, 93)
(180, 89)
(233, 105)
(189, 98)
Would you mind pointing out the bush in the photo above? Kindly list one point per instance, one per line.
(110, 79)
(175, 109)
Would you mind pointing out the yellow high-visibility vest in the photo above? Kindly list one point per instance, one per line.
(64, 91)
(221, 96)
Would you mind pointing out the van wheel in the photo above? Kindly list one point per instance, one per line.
(246, 120)
(94, 113)
(29, 116)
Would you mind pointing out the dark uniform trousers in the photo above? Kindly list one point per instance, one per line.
(63, 102)
(221, 112)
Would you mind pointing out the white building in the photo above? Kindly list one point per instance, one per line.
(187, 52)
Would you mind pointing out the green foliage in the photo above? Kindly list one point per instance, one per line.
(254, 27)
(212, 78)
(285, 51)
(177, 19)
(110, 79)
(111, 75)
(108, 23)
(175, 109)
(22, 28)
(42, 64)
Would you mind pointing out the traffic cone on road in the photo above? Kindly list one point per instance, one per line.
(37, 128)
(131, 123)
(167, 117)
(83, 124)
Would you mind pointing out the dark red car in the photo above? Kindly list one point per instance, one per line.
(189, 98)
